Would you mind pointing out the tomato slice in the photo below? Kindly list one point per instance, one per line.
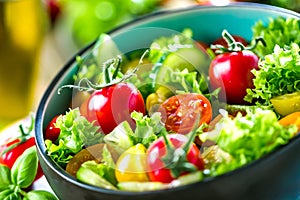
(180, 112)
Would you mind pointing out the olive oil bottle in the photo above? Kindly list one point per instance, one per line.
(21, 33)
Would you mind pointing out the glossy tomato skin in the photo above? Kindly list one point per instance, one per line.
(231, 71)
(180, 112)
(11, 156)
(158, 170)
(113, 104)
(51, 132)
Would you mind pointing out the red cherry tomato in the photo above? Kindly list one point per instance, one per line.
(51, 131)
(8, 158)
(231, 71)
(112, 105)
(180, 112)
(157, 151)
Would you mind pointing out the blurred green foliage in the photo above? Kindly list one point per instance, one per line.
(89, 18)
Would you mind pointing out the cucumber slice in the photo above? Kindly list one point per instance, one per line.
(90, 177)
(187, 179)
(191, 59)
(142, 186)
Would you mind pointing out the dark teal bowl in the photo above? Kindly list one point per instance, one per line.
(276, 176)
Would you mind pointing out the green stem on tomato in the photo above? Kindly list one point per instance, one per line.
(234, 46)
(22, 138)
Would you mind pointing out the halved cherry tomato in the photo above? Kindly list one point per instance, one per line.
(179, 112)
(158, 153)
(112, 105)
(51, 132)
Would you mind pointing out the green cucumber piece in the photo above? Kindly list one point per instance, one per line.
(187, 179)
(142, 186)
(191, 59)
(88, 176)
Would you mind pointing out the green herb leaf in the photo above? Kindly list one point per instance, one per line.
(279, 74)
(76, 132)
(24, 169)
(11, 196)
(147, 128)
(5, 180)
(278, 31)
(40, 195)
(6, 193)
(248, 138)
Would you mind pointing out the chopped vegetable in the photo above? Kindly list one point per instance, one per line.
(76, 132)
(248, 138)
(278, 74)
(279, 31)
(131, 165)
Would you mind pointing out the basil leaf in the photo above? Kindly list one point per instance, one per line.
(12, 196)
(24, 169)
(6, 193)
(4, 177)
(40, 195)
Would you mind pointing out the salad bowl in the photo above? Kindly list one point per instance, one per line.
(274, 176)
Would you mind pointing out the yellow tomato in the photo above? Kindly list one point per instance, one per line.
(287, 103)
(131, 165)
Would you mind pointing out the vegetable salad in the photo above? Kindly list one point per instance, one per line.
(180, 111)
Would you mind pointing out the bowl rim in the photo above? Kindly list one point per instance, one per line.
(45, 98)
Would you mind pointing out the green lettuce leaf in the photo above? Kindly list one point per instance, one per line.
(279, 74)
(147, 128)
(279, 31)
(248, 138)
(76, 132)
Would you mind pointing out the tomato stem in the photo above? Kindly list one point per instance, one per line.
(176, 159)
(192, 135)
(234, 46)
(22, 138)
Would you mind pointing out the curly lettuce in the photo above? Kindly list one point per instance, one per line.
(244, 139)
(279, 31)
(76, 132)
(279, 74)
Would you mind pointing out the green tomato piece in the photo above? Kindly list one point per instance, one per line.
(287, 103)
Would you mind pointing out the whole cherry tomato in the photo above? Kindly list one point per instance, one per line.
(161, 162)
(12, 150)
(231, 71)
(112, 105)
(51, 132)
(179, 112)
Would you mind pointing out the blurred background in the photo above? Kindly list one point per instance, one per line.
(38, 36)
